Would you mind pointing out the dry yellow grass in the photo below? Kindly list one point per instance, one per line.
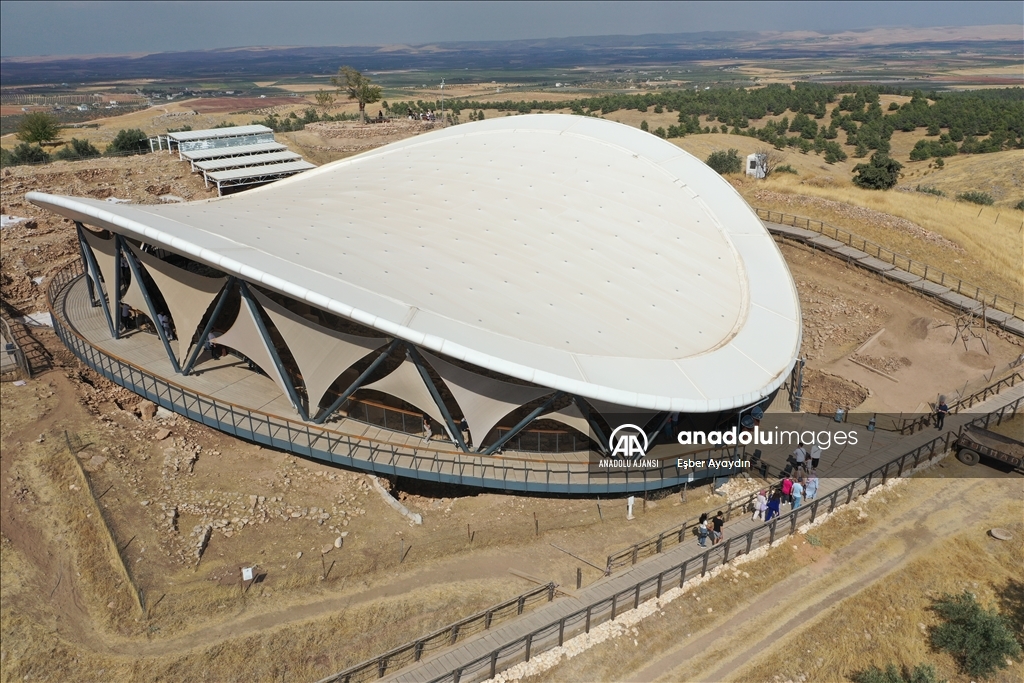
(882, 624)
(905, 531)
(990, 236)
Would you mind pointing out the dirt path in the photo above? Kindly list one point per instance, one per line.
(754, 628)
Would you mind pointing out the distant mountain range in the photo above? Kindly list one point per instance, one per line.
(596, 51)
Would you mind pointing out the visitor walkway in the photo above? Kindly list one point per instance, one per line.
(920, 277)
(517, 640)
(227, 395)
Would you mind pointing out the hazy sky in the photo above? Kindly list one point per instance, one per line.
(76, 28)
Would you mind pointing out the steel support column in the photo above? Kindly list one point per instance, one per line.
(94, 269)
(221, 300)
(261, 326)
(137, 274)
(534, 414)
(453, 428)
(319, 419)
(117, 286)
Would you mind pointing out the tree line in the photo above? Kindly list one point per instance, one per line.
(971, 122)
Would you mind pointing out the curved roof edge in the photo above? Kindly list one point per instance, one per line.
(88, 213)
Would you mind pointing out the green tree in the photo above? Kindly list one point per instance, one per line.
(644, 127)
(980, 639)
(881, 173)
(660, 132)
(725, 162)
(358, 87)
(77, 149)
(130, 141)
(324, 100)
(922, 673)
(38, 127)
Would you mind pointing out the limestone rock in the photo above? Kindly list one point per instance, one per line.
(146, 409)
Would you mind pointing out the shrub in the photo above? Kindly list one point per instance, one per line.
(981, 640)
(930, 190)
(975, 197)
(25, 154)
(725, 162)
(131, 141)
(658, 109)
(922, 673)
(1019, 205)
(644, 127)
(660, 132)
(786, 169)
(881, 173)
(77, 149)
(893, 106)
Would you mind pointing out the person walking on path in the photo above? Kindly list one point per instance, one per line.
(760, 505)
(800, 456)
(702, 531)
(941, 411)
(815, 455)
(811, 489)
(798, 493)
(773, 506)
(787, 489)
(717, 524)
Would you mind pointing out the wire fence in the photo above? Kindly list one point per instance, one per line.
(401, 656)
(901, 261)
(583, 620)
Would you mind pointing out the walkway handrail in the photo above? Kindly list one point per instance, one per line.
(15, 352)
(980, 294)
(982, 394)
(581, 621)
(509, 471)
(445, 636)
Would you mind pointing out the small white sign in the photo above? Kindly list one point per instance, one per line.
(247, 573)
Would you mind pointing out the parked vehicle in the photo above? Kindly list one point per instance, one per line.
(976, 443)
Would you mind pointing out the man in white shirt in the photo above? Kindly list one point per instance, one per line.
(800, 455)
(815, 455)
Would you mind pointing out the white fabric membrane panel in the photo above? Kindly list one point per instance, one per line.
(573, 417)
(321, 353)
(484, 401)
(407, 384)
(244, 336)
(186, 294)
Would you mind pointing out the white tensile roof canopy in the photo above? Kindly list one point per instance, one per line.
(568, 251)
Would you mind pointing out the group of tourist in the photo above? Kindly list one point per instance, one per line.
(799, 485)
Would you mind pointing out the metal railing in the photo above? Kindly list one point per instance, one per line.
(581, 621)
(401, 656)
(967, 402)
(507, 472)
(901, 261)
(19, 367)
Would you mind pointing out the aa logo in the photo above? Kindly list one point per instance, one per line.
(628, 441)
